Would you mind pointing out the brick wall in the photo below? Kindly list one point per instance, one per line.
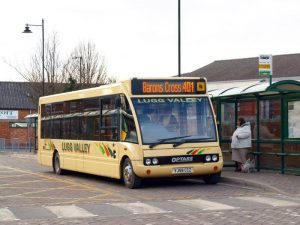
(23, 134)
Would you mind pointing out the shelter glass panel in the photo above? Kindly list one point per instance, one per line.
(248, 111)
(294, 119)
(270, 119)
(227, 119)
(226, 150)
(292, 161)
(269, 159)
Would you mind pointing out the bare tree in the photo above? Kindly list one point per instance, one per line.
(87, 66)
(84, 68)
(53, 69)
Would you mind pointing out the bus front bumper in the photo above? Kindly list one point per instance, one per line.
(175, 170)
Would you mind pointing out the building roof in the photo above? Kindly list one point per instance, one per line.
(247, 68)
(15, 95)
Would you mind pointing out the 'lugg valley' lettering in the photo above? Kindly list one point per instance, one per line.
(75, 147)
(162, 100)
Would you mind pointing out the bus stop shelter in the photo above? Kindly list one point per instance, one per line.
(274, 113)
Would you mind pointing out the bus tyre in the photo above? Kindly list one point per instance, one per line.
(131, 180)
(56, 164)
(212, 178)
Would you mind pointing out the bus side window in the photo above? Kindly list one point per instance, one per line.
(109, 121)
(90, 119)
(46, 121)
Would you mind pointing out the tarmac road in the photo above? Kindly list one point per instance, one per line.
(32, 194)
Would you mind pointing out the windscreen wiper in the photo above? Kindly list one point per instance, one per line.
(189, 140)
(163, 140)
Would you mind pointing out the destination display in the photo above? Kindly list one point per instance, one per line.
(167, 87)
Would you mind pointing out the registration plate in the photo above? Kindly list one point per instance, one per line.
(184, 170)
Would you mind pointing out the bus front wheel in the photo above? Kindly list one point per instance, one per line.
(212, 178)
(131, 180)
(56, 164)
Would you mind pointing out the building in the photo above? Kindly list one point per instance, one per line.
(272, 109)
(284, 66)
(15, 105)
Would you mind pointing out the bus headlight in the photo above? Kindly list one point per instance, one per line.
(148, 162)
(207, 158)
(155, 161)
(214, 158)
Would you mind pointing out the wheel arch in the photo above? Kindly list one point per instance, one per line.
(53, 155)
(121, 165)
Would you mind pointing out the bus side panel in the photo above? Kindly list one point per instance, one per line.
(72, 161)
(45, 152)
(102, 159)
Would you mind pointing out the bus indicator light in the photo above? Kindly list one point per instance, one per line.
(200, 86)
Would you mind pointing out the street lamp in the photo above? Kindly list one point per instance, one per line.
(27, 31)
(179, 40)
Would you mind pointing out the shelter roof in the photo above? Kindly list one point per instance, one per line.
(260, 88)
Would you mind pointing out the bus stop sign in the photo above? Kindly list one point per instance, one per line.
(265, 65)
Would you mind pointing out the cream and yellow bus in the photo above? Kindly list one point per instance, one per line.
(132, 130)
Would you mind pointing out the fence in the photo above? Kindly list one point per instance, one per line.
(15, 145)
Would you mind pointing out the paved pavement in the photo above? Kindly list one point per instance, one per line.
(286, 184)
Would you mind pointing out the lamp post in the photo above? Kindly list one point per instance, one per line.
(80, 68)
(28, 31)
(179, 40)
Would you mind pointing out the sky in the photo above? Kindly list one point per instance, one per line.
(139, 38)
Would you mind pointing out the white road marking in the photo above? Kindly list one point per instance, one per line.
(205, 205)
(7, 215)
(69, 211)
(269, 201)
(139, 208)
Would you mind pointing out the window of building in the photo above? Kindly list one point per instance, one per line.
(18, 125)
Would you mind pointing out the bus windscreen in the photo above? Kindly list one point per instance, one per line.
(175, 119)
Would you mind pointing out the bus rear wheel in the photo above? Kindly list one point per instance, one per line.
(56, 165)
(212, 178)
(131, 180)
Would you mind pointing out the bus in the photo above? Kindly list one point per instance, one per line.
(132, 130)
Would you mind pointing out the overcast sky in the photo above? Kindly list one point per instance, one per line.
(139, 37)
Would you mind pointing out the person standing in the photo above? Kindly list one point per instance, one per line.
(240, 142)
